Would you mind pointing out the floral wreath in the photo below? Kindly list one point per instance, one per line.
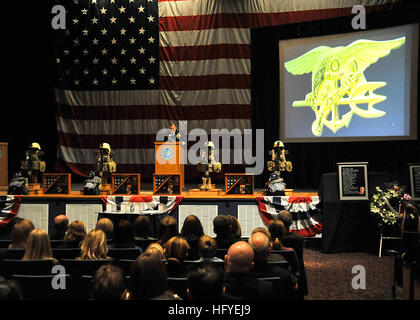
(386, 203)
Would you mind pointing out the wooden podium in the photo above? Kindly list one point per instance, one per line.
(169, 158)
(4, 177)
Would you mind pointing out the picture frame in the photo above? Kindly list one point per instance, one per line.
(415, 181)
(353, 181)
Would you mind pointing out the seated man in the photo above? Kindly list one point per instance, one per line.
(206, 283)
(260, 243)
(239, 283)
(60, 225)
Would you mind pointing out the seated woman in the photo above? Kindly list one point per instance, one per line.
(176, 251)
(75, 234)
(20, 233)
(156, 250)
(235, 228)
(143, 228)
(207, 249)
(192, 230)
(94, 246)
(277, 231)
(106, 225)
(167, 229)
(124, 237)
(148, 280)
(38, 246)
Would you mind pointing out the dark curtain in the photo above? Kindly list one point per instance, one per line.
(310, 160)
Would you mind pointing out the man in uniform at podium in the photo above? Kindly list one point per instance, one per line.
(174, 134)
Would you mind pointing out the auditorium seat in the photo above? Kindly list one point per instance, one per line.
(56, 243)
(282, 264)
(125, 264)
(124, 253)
(178, 286)
(5, 243)
(221, 253)
(83, 267)
(144, 243)
(81, 287)
(26, 267)
(15, 253)
(39, 287)
(65, 253)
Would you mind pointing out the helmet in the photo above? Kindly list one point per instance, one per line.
(35, 145)
(278, 144)
(209, 144)
(105, 145)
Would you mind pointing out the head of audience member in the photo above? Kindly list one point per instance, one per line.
(221, 226)
(239, 258)
(168, 229)
(192, 228)
(106, 226)
(277, 231)
(108, 283)
(176, 248)
(20, 233)
(9, 290)
(235, 227)
(38, 246)
(260, 243)
(76, 233)
(205, 283)
(286, 217)
(60, 225)
(142, 227)
(207, 247)
(94, 246)
(148, 278)
(262, 230)
(124, 236)
(156, 250)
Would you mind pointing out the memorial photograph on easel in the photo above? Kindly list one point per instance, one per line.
(353, 180)
(415, 181)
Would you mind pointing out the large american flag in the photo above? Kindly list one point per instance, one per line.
(126, 68)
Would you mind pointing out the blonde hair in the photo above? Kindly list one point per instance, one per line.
(38, 246)
(156, 250)
(106, 225)
(94, 246)
(20, 233)
(176, 248)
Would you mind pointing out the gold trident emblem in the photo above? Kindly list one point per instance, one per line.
(338, 79)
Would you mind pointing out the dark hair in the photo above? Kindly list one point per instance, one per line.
(142, 226)
(61, 225)
(207, 247)
(76, 232)
(124, 234)
(192, 227)
(20, 233)
(9, 290)
(221, 226)
(287, 218)
(168, 229)
(277, 231)
(176, 248)
(148, 278)
(108, 283)
(235, 227)
(206, 283)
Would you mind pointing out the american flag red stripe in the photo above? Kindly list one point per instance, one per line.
(204, 78)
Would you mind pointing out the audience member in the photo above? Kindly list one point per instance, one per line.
(108, 283)
(192, 230)
(277, 231)
(295, 241)
(94, 246)
(273, 257)
(176, 251)
(156, 250)
(221, 227)
(143, 228)
(9, 290)
(148, 280)
(107, 227)
(239, 283)
(207, 249)
(235, 228)
(38, 246)
(260, 243)
(124, 237)
(167, 229)
(59, 227)
(205, 283)
(20, 233)
(76, 233)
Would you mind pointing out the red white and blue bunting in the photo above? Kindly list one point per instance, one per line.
(302, 209)
(9, 207)
(136, 204)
